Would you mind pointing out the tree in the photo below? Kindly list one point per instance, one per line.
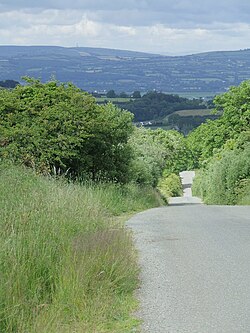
(154, 105)
(123, 95)
(212, 135)
(136, 94)
(148, 157)
(222, 149)
(9, 84)
(156, 151)
(235, 105)
(57, 126)
(111, 94)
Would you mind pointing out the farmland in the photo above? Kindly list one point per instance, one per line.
(95, 69)
(193, 112)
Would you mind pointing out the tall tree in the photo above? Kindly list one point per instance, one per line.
(211, 136)
(57, 126)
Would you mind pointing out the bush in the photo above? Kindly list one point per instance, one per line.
(243, 192)
(170, 186)
(222, 149)
(155, 151)
(55, 126)
(148, 157)
(211, 136)
(222, 182)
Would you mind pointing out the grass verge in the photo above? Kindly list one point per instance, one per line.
(66, 264)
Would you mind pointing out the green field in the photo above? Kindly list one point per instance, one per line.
(193, 112)
(198, 94)
(189, 95)
(113, 100)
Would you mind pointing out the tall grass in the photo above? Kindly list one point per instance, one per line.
(66, 264)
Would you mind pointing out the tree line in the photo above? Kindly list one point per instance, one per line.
(221, 150)
(55, 127)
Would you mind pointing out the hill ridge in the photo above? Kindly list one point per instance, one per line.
(123, 70)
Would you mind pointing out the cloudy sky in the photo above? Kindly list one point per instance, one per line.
(157, 26)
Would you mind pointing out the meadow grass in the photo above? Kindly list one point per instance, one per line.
(67, 264)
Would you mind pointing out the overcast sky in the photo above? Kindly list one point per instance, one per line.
(157, 26)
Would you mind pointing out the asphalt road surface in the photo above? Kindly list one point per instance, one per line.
(195, 266)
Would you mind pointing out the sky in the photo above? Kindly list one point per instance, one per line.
(171, 27)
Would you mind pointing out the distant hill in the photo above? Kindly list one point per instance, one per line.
(105, 69)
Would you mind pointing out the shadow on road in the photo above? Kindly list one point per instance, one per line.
(185, 204)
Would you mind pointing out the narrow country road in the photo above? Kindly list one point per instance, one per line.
(195, 266)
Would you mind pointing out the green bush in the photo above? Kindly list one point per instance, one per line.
(211, 136)
(243, 192)
(155, 151)
(222, 149)
(56, 126)
(170, 186)
(222, 182)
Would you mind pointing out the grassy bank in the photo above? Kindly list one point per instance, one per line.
(67, 265)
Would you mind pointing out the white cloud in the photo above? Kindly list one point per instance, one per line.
(97, 29)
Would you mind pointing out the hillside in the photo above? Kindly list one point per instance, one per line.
(104, 69)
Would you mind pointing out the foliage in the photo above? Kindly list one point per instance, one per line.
(123, 95)
(67, 264)
(243, 192)
(148, 157)
(111, 94)
(136, 94)
(211, 136)
(170, 185)
(57, 126)
(236, 108)
(179, 155)
(155, 151)
(225, 180)
(222, 147)
(205, 139)
(187, 123)
(9, 84)
(155, 105)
